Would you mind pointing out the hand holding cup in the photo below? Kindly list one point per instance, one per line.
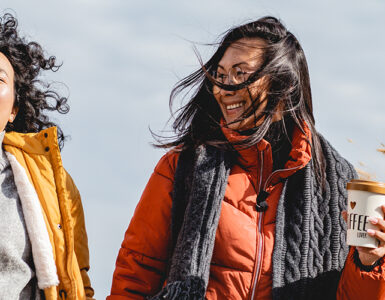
(365, 218)
(369, 256)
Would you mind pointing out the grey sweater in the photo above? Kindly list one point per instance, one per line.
(17, 276)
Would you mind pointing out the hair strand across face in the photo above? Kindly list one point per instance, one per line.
(288, 93)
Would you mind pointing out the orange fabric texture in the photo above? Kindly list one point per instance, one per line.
(356, 284)
(61, 205)
(241, 266)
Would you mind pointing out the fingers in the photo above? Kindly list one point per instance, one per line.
(377, 234)
(380, 223)
(370, 255)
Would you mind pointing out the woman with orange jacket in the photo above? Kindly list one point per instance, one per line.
(43, 241)
(249, 202)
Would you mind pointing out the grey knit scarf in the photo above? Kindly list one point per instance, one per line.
(309, 251)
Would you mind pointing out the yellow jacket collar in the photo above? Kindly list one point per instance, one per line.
(33, 143)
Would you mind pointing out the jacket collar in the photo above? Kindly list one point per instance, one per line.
(299, 156)
(33, 143)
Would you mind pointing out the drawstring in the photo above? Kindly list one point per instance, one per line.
(261, 204)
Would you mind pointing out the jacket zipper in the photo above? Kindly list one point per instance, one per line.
(260, 238)
(259, 255)
(260, 227)
(276, 171)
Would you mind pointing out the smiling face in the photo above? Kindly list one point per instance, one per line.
(7, 93)
(242, 57)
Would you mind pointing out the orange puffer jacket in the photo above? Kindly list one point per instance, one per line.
(241, 266)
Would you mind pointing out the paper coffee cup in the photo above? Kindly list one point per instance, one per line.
(365, 199)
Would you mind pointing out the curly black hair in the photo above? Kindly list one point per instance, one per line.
(33, 97)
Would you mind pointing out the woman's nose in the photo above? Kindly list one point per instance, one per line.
(226, 92)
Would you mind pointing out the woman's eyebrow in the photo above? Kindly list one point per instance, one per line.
(235, 65)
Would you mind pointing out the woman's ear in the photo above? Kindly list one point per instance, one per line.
(13, 114)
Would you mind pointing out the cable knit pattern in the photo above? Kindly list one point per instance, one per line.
(309, 251)
(310, 248)
(190, 261)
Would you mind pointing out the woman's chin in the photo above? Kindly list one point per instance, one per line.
(231, 121)
(233, 125)
(241, 125)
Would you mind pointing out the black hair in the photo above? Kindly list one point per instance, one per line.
(33, 97)
(288, 91)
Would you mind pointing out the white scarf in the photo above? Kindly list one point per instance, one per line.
(42, 251)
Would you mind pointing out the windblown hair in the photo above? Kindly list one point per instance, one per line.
(288, 92)
(33, 97)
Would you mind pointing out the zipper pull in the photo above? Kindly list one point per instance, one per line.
(261, 204)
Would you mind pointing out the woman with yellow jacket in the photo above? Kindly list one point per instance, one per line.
(43, 240)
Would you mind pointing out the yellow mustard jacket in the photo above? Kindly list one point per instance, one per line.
(39, 155)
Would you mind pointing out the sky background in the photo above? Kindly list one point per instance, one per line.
(122, 58)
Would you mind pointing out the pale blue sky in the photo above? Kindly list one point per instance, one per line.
(121, 59)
